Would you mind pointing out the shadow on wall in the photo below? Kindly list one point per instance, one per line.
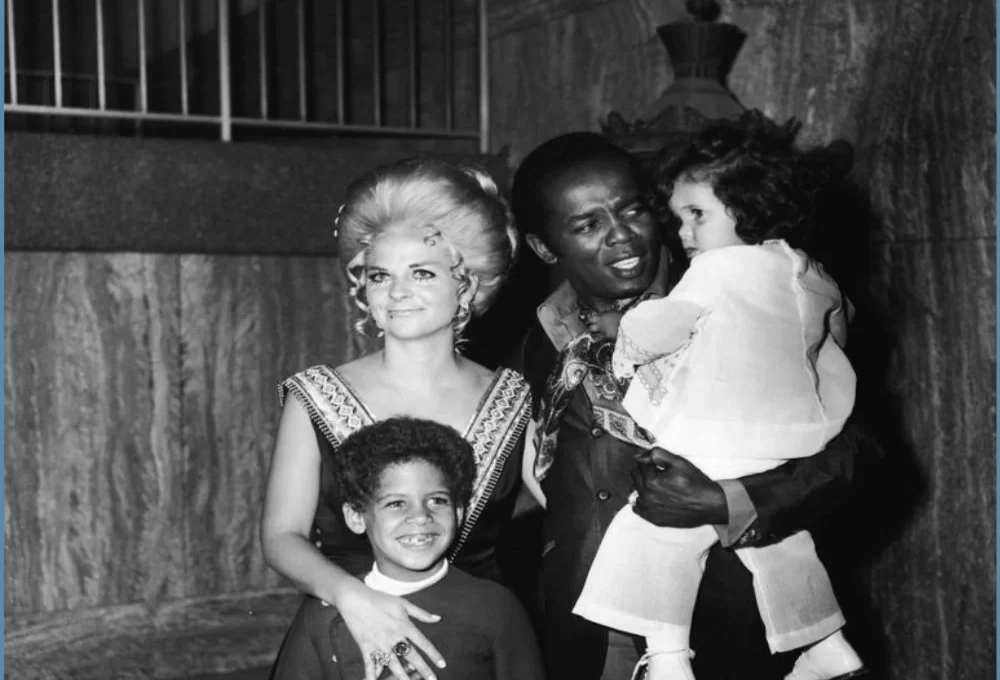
(892, 488)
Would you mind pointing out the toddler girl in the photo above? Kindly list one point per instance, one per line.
(740, 368)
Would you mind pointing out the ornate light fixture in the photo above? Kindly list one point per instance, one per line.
(702, 52)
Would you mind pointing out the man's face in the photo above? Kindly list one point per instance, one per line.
(599, 230)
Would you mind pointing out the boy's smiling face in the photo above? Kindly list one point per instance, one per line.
(411, 520)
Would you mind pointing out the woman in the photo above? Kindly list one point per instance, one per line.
(427, 246)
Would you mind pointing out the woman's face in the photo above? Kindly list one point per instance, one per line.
(410, 288)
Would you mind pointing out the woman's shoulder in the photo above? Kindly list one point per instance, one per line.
(309, 372)
(503, 378)
(315, 385)
(514, 386)
(299, 382)
(355, 370)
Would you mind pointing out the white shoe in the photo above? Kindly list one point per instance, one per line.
(831, 658)
(665, 666)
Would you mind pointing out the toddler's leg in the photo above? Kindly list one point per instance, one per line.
(799, 608)
(644, 578)
(644, 581)
(832, 658)
(664, 660)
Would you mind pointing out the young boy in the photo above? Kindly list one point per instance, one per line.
(406, 483)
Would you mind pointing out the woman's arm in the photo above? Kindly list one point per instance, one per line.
(376, 620)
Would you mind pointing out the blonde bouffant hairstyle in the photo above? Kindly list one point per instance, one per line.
(459, 204)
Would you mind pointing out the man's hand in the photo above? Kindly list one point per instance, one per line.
(604, 325)
(675, 493)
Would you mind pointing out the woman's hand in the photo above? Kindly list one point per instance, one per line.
(378, 622)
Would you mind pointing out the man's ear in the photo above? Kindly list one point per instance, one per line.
(355, 520)
(541, 250)
(460, 515)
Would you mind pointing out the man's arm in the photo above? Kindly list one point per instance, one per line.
(673, 492)
(805, 491)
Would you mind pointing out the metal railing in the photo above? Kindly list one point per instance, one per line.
(49, 99)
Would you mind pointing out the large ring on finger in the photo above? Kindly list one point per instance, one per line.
(402, 648)
(380, 658)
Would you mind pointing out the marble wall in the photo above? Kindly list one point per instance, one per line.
(140, 406)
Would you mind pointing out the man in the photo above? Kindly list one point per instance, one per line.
(583, 206)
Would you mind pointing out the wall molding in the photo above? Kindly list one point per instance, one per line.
(115, 194)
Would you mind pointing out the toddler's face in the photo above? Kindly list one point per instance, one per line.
(706, 223)
(411, 520)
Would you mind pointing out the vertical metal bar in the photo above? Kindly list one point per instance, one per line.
(11, 52)
(301, 14)
(262, 54)
(102, 90)
(449, 69)
(484, 78)
(182, 45)
(414, 63)
(57, 53)
(377, 60)
(341, 61)
(225, 103)
(143, 85)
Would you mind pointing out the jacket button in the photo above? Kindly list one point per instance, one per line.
(603, 495)
(596, 432)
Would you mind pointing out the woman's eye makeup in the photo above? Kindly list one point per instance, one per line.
(377, 277)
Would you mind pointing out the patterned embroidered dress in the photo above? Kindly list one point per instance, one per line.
(496, 432)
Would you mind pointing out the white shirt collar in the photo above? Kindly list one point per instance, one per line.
(376, 580)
